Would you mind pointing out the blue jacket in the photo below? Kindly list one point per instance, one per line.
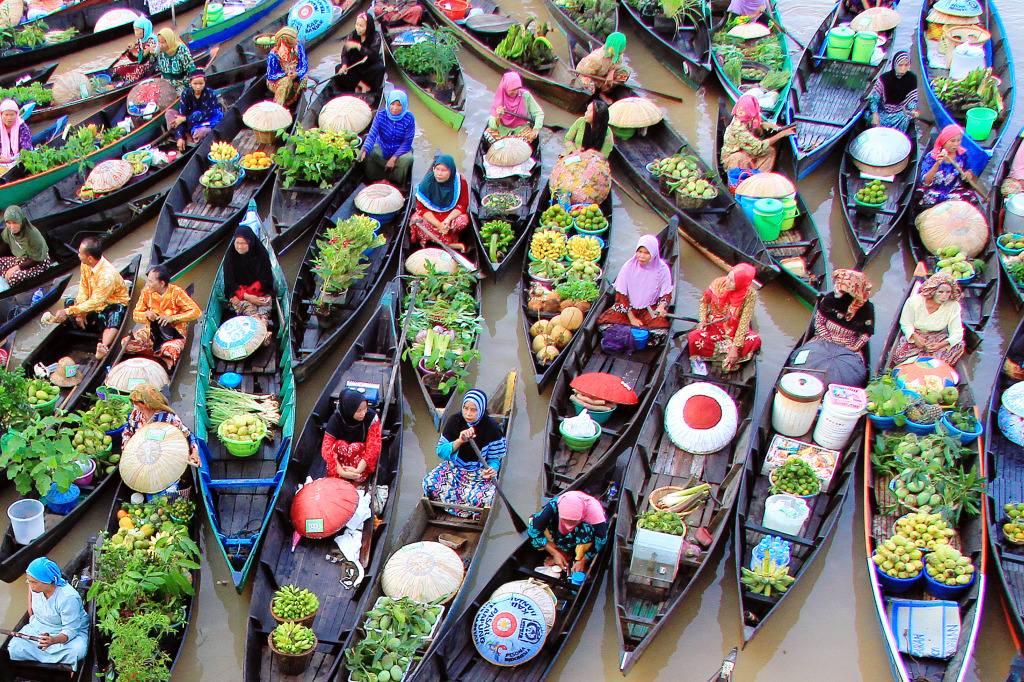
(275, 71)
(394, 137)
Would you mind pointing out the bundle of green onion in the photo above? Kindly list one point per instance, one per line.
(225, 403)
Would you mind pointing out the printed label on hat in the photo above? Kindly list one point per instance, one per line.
(132, 383)
(71, 371)
(801, 357)
(498, 145)
(236, 352)
(314, 526)
(155, 434)
(569, 160)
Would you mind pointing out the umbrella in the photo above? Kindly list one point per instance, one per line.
(840, 364)
(239, 337)
(701, 418)
(155, 457)
(322, 508)
(605, 386)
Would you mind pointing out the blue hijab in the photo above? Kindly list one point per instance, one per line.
(440, 196)
(46, 571)
(400, 96)
(147, 29)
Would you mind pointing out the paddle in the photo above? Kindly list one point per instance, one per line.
(971, 181)
(658, 93)
(552, 128)
(517, 520)
(13, 633)
(464, 262)
(785, 31)
(398, 352)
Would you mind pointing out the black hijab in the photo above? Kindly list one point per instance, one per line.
(898, 88)
(835, 308)
(487, 430)
(595, 133)
(245, 269)
(343, 425)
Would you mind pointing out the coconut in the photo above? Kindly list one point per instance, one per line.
(67, 87)
(552, 302)
(749, 31)
(634, 112)
(345, 113)
(556, 321)
(379, 199)
(561, 336)
(572, 318)
(510, 151)
(541, 327)
(547, 354)
(953, 223)
(766, 185)
(540, 342)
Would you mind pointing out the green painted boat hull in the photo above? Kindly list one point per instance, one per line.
(227, 29)
(451, 118)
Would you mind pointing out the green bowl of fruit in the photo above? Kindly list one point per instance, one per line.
(43, 396)
(871, 197)
(1013, 530)
(795, 477)
(242, 434)
(1011, 243)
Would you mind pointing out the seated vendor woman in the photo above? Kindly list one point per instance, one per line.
(845, 316)
(643, 291)
(931, 323)
(572, 528)
(751, 9)
(149, 405)
(392, 130)
(352, 438)
(944, 171)
(442, 205)
(15, 136)
(141, 54)
(514, 111)
(164, 310)
(248, 276)
(361, 68)
(893, 101)
(56, 616)
(29, 253)
(102, 299)
(741, 146)
(461, 478)
(726, 308)
(287, 67)
(603, 70)
(173, 60)
(199, 111)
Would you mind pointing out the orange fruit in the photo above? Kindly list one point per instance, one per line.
(122, 513)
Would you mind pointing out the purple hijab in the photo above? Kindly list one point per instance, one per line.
(645, 284)
(747, 8)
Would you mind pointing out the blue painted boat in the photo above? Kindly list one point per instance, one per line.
(997, 56)
(200, 36)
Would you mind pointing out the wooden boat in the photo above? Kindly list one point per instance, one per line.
(755, 487)
(828, 95)
(997, 211)
(453, 656)
(544, 374)
(314, 336)
(200, 35)
(970, 539)
(240, 492)
(998, 57)
(1016, 669)
(735, 90)
(1005, 485)
(189, 226)
(430, 520)
(71, 341)
(869, 231)
(641, 605)
(171, 643)
(82, 17)
(802, 241)
(19, 671)
(686, 47)
(371, 359)
(293, 211)
(724, 674)
(576, 34)
(526, 188)
(641, 370)
(554, 85)
(17, 310)
(447, 102)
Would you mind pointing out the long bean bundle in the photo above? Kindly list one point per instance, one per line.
(224, 403)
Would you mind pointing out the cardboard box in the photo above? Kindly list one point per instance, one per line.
(822, 460)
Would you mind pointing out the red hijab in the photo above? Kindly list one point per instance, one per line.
(743, 274)
(947, 134)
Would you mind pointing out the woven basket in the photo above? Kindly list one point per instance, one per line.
(688, 202)
(658, 494)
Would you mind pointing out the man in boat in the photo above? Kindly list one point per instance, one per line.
(56, 617)
(165, 310)
(102, 299)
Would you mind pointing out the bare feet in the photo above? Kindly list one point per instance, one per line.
(101, 350)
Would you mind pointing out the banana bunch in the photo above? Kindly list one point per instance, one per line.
(514, 43)
(978, 88)
(547, 245)
(583, 247)
(767, 577)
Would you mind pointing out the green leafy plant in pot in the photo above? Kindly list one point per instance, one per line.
(436, 55)
(42, 455)
(341, 259)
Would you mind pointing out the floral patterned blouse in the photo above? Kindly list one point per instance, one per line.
(176, 67)
(739, 137)
(737, 321)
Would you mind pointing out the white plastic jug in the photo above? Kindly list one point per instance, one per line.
(26, 520)
(966, 58)
(785, 514)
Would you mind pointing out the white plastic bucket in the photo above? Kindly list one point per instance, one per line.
(785, 514)
(1013, 219)
(796, 403)
(840, 411)
(26, 520)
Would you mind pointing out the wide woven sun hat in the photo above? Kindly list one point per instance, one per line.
(509, 630)
(427, 572)
(127, 374)
(510, 151)
(345, 113)
(239, 337)
(634, 112)
(701, 418)
(154, 458)
(876, 19)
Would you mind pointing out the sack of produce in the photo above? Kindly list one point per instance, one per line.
(953, 224)
(585, 176)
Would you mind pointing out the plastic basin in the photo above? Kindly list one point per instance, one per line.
(600, 417)
(944, 591)
(979, 123)
(239, 448)
(883, 423)
(578, 444)
(895, 585)
(965, 437)
(918, 428)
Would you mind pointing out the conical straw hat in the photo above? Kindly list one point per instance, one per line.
(239, 337)
(155, 457)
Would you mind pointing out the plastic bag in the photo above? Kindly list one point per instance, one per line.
(580, 426)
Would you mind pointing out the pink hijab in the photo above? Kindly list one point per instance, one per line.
(580, 507)
(645, 284)
(748, 110)
(948, 133)
(513, 105)
(10, 139)
(1017, 169)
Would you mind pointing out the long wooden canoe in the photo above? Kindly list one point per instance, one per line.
(200, 35)
(724, 673)
(686, 47)
(240, 492)
(447, 102)
(17, 310)
(370, 360)
(997, 216)
(574, 32)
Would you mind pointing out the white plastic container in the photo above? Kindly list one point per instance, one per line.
(796, 403)
(1013, 219)
(26, 520)
(840, 411)
(966, 58)
(785, 514)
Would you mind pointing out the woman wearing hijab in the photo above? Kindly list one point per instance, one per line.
(56, 616)
(751, 9)
(361, 68)
(603, 69)
(931, 322)
(514, 111)
(150, 405)
(442, 205)
(141, 53)
(944, 170)
(15, 136)
(893, 101)
(572, 528)
(1014, 181)
(30, 255)
(199, 111)
(726, 309)
(249, 276)
(643, 291)
(352, 438)
(741, 146)
(393, 130)
(846, 317)
(173, 59)
(461, 478)
(286, 67)
(582, 171)
(37, 9)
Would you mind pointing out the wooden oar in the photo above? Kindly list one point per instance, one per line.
(972, 181)
(785, 31)
(517, 520)
(13, 633)
(657, 93)
(464, 262)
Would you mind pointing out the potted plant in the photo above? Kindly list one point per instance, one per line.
(41, 456)
(451, 370)
(435, 57)
(341, 259)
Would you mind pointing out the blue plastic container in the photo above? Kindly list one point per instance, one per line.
(230, 380)
(895, 585)
(965, 437)
(641, 336)
(62, 503)
(918, 428)
(943, 591)
(883, 423)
